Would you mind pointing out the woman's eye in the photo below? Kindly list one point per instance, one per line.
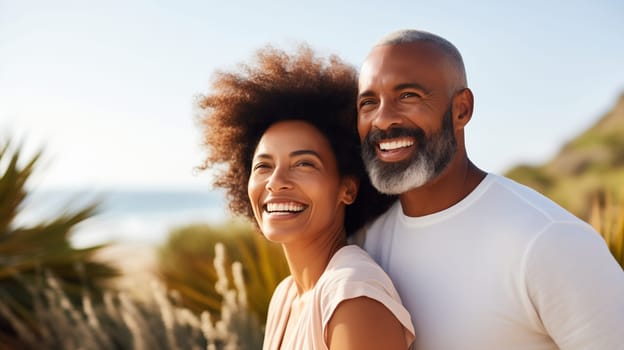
(304, 164)
(260, 166)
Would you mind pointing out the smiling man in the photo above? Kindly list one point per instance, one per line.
(480, 261)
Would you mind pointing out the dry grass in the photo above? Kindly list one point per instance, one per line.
(608, 219)
(121, 322)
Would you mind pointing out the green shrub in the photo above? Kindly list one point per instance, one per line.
(185, 264)
(531, 176)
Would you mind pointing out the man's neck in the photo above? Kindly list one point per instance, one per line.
(454, 184)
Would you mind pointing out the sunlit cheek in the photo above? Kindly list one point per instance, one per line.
(253, 192)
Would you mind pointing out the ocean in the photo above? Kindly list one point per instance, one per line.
(125, 216)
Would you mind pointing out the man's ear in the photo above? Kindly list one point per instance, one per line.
(463, 104)
(350, 189)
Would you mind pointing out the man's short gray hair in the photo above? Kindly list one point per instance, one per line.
(412, 36)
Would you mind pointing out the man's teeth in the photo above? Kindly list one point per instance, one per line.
(392, 145)
(284, 207)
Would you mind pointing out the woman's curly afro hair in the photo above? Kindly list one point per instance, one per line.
(279, 86)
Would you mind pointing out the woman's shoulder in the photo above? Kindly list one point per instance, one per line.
(283, 288)
(350, 273)
(353, 262)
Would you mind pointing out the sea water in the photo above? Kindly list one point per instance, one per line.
(125, 216)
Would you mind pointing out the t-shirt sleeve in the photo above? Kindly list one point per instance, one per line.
(577, 288)
(369, 281)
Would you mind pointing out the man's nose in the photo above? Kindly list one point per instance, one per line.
(386, 117)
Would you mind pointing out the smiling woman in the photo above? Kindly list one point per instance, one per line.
(285, 129)
(295, 189)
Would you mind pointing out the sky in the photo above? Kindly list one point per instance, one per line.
(107, 88)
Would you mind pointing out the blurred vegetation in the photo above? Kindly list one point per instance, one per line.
(607, 217)
(587, 167)
(120, 322)
(26, 251)
(53, 296)
(185, 264)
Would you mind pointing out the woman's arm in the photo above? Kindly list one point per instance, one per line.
(364, 323)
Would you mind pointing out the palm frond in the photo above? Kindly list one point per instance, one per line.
(26, 251)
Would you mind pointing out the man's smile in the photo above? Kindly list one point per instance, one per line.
(397, 149)
(393, 144)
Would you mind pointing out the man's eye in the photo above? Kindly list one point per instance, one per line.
(366, 102)
(408, 94)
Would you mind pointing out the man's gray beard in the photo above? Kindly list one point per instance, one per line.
(417, 173)
(432, 156)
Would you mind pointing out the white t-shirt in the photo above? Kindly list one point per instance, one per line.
(503, 269)
(350, 273)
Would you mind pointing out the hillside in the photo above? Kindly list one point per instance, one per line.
(585, 169)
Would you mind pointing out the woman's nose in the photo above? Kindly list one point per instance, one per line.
(279, 180)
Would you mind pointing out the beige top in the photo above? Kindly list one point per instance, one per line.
(350, 273)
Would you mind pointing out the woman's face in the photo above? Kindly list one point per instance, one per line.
(294, 187)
